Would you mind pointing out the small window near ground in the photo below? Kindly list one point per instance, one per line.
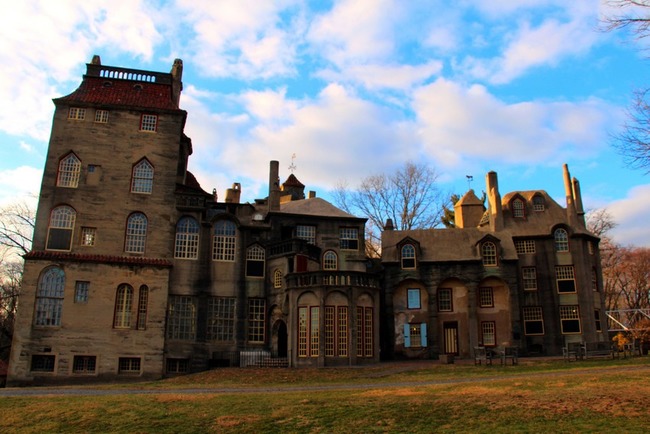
(84, 364)
(43, 363)
(597, 320)
(129, 366)
(177, 366)
(488, 333)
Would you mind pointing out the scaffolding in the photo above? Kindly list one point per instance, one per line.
(622, 320)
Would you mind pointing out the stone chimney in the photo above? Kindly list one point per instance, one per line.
(233, 194)
(571, 210)
(177, 83)
(495, 209)
(274, 186)
(468, 211)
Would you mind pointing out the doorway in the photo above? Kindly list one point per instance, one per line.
(450, 337)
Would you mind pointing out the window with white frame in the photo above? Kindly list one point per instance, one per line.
(307, 233)
(224, 241)
(415, 336)
(533, 321)
(486, 296)
(565, 278)
(529, 277)
(69, 171)
(143, 300)
(81, 291)
(142, 177)
(330, 260)
(488, 333)
(255, 260)
(123, 303)
(561, 240)
(525, 246)
(77, 113)
(149, 123)
(256, 319)
(445, 301)
(349, 239)
(336, 331)
(181, 318)
(84, 365)
(570, 319)
(518, 208)
(49, 297)
(187, 239)
(136, 233)
(277, 279)
(489, 254)
(88, 236)
(413, 298)
(101, 116)
(59, 235)
(365, 330)
(408, 256)
(128, 365)
(221, 319)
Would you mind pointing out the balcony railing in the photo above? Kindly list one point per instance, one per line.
(294, 246)
(331, 278)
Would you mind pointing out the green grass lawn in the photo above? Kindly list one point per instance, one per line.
(536, 396)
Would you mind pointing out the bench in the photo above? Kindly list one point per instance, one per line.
(572, 350)
(511, 353)
(482, 354)
(597, 349)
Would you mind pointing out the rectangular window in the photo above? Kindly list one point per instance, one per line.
(88, 236)
(255, 261)
(597, 320)
(349, 239)
(314, 331)
(81, 291)
(302, 332)
(129, 365)
(177, 366)
(336, 331)
(256, 319)
(529, 276)
(141, 321)
(148, 123)
(486, 296)
(221, 319)
(43, 363)
(415, 333)
(413, 298)
(525, 246)
(570, 319)
(488, 333)
(533, 321)
(590, 247)
(329, 331)
(181, 318)
(77, 114)
(307, 233)
(101, 116)
(445, 303)
(365, 339)
(565, 278)
(84, 364)
(342, 332)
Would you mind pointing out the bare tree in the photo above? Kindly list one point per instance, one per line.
(17, 222)
(10, 284)
(600, 222)
(409, 197)
(633, 141)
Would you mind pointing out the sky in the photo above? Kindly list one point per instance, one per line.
(340, 90)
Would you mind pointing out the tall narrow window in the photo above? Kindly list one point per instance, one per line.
(314, 331)
(408, 256)
(277, 279)
(413, 298)
(49, 297)
(489, 254)
(255, 260)
(81, 291)
(349, 239)
(342, 332)
(143, 300)
(486, 296)
(597, 320)
(69, 170)
(561, 240)
(488, 333)
(223, 245)
(445, 300)
(518, 208)
(136, 233)
(256, 319)
(59, 235)
(181, 317)
(529, 276)
(142, 177)
(187, 239)
(221, 319)
(365, 338)
(594, 280)
(123, 302)
(330, 260)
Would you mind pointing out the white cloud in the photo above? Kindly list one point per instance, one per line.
(631, 215)
(374, 76)
(18, 184)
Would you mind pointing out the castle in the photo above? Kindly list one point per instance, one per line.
(137, 272)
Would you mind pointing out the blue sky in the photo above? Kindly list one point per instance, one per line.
(352, 88)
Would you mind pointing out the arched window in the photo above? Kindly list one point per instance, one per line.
(408, 256)
(330, 260)
(142, 177)
(518, 208)
(123, 302)
(187, 239)
(59, 235)
(255, 257)
(561, 240)
(69, 170)
(49, 297)
(277, 279)
(136, 233)
(224, 241)
(489, 253)
(538, 203)
(143, 299)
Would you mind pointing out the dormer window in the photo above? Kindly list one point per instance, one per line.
(489, 254)
(518, 208)
(408, 256)
(538, 203)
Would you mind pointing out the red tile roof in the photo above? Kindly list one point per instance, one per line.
(132, 93)
(98, 259)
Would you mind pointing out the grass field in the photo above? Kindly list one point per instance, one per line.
(536, 396)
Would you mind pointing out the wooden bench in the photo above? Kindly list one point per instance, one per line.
(482, 354)
(597, 349)
(572, 350)
(511, 353)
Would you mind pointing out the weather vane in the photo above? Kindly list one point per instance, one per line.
(470, 178)
(293, 167)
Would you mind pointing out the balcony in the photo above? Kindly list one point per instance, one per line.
(331, 278)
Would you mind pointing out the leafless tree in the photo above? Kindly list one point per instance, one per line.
(10, 283)
(409, 197)
(600, 222)
(17, 222)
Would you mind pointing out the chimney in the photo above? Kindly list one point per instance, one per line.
(572, 215)
(274, 186)
(96, 60)
(577, 195)
(177, 83)
(233, 194)
(311, 194)
(494, 202)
